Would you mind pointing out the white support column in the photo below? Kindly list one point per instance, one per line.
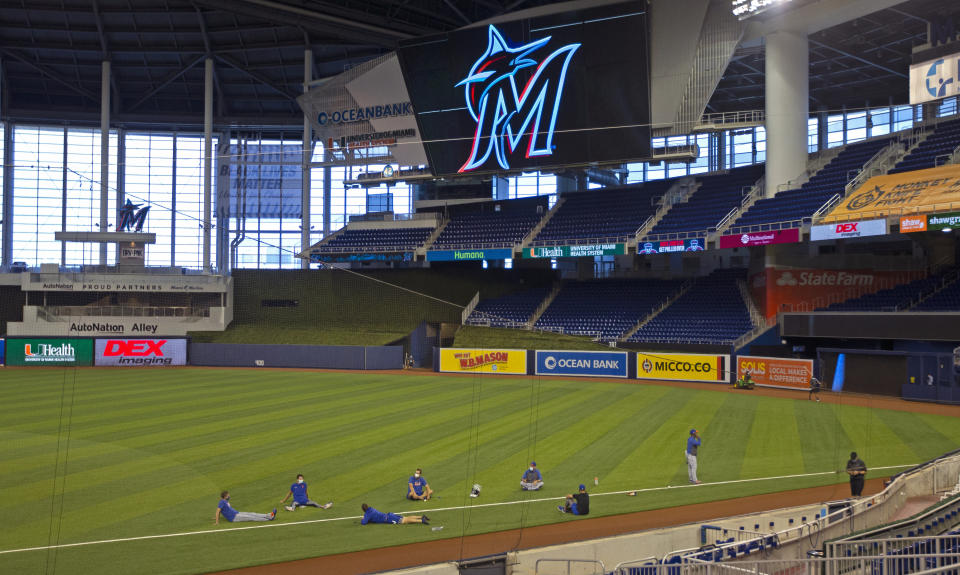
(787, 95)
(104, 155)
(207, 156)
(307, 158)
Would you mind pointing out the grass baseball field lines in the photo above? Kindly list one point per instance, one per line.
(102, 454)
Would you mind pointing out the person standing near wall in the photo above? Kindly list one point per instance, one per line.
(856, 469)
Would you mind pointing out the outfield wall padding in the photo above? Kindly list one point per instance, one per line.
(301, 356)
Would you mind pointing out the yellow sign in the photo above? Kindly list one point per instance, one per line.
(683, 367)
(920, 191)
(508, 361)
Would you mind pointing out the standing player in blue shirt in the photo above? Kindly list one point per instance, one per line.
(233, 516)
(693, 442)
(417, 487)
(300, 499)
(371, 515)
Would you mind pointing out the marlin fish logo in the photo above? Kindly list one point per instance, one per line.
(505, 113)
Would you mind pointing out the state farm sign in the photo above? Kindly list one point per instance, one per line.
(140, 352)
(849, 230)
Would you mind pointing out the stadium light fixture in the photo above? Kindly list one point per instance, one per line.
(743, 9)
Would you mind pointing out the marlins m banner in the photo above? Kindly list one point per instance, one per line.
(506, 361)
(683, 367)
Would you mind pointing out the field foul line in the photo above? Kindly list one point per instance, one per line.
(422, 511)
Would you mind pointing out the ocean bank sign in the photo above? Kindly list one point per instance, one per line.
(468, 255)
(582, 363)
(364, 114)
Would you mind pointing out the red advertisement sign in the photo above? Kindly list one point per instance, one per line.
(800, 290)
(760, 238)
(776, 371)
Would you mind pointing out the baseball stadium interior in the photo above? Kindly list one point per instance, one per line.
(493, 205)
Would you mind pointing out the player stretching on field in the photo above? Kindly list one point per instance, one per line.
(371, 515)
(300, 499)
(693, 442)
(233, 516)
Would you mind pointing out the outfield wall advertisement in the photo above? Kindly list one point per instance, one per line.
(140, 352)
(582, 363)
(776, 371)
(49, 351)
(575, 251)
(683, 367)
(507, 361)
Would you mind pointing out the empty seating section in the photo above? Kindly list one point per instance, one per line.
(897, 298)
(508, 310)
(605, 308)
(941, 142)
(486, 229)
(602, 214)
(947, 299)
(792, 206)
(711, 311)
(712, 201)
(378, 239)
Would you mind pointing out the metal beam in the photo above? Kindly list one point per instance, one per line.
(254, 75)
(457, 11)
(166, 82)
(859, 58)
(221, 102)
(50, 75)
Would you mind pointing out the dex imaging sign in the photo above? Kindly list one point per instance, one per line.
(582, 363)
(849, 230)
(140, 352)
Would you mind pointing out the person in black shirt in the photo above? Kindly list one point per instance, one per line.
(856, 469)
(814, 389)
(577, 503)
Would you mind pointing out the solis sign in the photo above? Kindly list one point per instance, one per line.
(140, 352)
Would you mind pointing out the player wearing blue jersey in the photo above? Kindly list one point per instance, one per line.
(233, 516)
(371, 515)
(417, 487)
(299, 492)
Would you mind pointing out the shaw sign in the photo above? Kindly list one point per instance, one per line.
(141, 352)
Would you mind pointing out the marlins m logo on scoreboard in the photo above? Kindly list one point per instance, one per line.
(505, 113)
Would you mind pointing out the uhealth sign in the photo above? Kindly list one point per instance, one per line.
(575, 251)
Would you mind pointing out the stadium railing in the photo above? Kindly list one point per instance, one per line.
(770, 226)
(585, 241)
(126, 311)
(591, 564)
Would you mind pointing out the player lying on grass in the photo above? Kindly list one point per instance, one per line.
(417, 487)
(299, 492)
(577, 503)
(233, 516)
(371, 515)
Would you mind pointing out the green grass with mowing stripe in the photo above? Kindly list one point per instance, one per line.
(92, 454)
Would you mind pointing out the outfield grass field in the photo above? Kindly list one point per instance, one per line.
(99, 454)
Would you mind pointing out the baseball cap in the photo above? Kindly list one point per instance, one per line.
(533, 463)
(692, 431)
(583, 487)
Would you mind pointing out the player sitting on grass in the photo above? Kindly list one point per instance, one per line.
(371, 515)
(417, 487)
(531, 480)
(234, 516)
(577, 503)
(299, 492)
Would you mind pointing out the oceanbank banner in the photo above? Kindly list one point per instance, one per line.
(908, 192)
(760, 238)
(683, 367)
(506, 361)
(941, 222)
(52, 351)
(670, 246)
(468, 255)
(140, 352)
(776, 371)
(582, 363)
(935, 79)
(377, 257)
(849, 230)
(575, 251)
